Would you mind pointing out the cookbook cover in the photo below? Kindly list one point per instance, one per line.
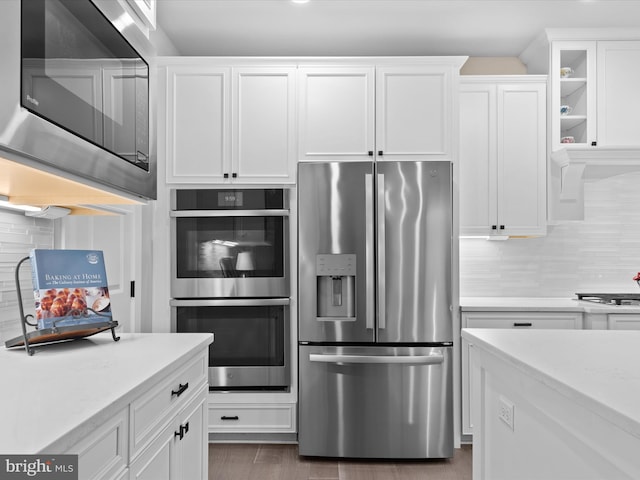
(70, 287)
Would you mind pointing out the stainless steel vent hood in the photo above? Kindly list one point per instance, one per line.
(572, 167)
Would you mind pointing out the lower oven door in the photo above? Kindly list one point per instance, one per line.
(251, 347)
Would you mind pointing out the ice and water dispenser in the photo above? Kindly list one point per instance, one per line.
(336, 277)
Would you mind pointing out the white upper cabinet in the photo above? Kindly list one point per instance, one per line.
(413, 112)
(198, 137)
(618, 92)
(502, 163)
(594, 76)
(383, 111)
(263, 131)
(230, 124)
(336, 113)
(478, 159)
(573, 94)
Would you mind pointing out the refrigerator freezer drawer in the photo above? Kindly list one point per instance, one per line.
(376, 402)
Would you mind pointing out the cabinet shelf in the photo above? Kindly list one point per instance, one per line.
(569, 86)
(571, 121)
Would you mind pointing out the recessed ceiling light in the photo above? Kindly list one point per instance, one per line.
(300, 1)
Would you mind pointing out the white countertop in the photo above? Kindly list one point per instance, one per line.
(599, 369)
(540, 304)
(66, 389)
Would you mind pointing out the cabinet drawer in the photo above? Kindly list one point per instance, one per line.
(153, 409)
(565, 321)
(104, 452)
(252, 418)
(618, 321)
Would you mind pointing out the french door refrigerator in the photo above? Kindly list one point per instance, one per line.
(375, 309)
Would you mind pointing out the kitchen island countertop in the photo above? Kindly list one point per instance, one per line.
(57, 396)
(595, 368)
(555, 403)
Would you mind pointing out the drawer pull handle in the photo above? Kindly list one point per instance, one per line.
(234, 417)
(522, 324)
(180, 390)
(182, 432)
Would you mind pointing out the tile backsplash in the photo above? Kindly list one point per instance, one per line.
(18, 235)
(599, 254)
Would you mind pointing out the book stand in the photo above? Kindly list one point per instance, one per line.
(55, 334)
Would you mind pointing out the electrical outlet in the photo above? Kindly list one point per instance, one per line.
(506, 411)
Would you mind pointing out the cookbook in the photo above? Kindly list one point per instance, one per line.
(70, 287)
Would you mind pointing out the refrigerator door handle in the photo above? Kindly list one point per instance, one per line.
(435, 359)
(369, 251)
(382, 322)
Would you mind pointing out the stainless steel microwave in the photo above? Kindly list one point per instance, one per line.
(75, 92)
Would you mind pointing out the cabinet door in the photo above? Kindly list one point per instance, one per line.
(413, 106)
(197, 124)
(521, 155)
(576, 89)
(158, 461)
(263, 139)
(336, 113)
(618, 65)
(477, 160)
(192, 448)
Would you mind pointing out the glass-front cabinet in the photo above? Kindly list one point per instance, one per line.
(573, 103)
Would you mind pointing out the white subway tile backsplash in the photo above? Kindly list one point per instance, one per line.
(601, 253)
(18, 235)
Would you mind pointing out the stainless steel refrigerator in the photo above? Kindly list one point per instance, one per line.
(375, 309)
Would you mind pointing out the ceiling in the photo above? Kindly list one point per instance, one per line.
(376, 27)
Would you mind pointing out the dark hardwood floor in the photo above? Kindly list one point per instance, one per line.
(281, 462)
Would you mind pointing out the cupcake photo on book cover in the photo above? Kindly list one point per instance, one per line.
(70, 287)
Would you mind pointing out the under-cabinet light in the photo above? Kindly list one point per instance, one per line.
(50, 212)
(5, 203)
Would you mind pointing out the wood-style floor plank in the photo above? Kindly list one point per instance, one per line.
(282, 462)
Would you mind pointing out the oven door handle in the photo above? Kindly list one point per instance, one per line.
(229, 302)
(229, 213)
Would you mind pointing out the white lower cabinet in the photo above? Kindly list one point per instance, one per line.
(159, 434)
(252, 418)
(179, 451)
(510, 320)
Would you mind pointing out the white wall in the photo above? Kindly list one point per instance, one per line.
(600, 254)
(18, 235)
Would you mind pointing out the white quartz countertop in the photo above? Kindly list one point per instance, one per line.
(540, 304)
(65, 389)
(599, 369)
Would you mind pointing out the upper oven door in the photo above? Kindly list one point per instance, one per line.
(230, 253)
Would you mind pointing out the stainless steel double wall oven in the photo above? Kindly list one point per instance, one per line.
(230, 276)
